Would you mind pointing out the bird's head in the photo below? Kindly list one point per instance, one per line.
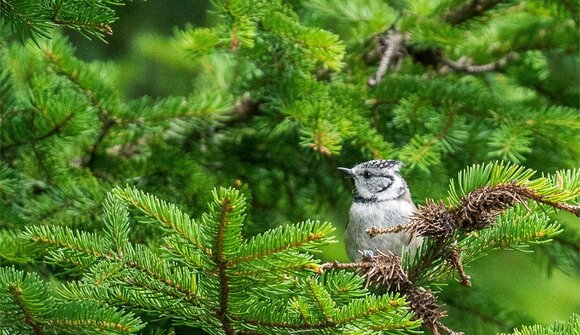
(377, 180)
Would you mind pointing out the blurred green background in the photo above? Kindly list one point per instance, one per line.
(141, 48)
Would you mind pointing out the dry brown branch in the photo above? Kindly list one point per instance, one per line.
(393, 46)
(532, 195)
(477, 210)
(424, 303)
(455, 259)
(466, 65)
(447, 329)
(354, 265)
(385, 270)
(374, 231)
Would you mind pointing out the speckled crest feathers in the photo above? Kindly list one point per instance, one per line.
(381, 164)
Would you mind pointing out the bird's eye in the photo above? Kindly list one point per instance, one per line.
(367, 174)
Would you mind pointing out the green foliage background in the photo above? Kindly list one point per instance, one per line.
(522, 282)
(277, 131)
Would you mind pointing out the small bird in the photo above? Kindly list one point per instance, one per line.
(381, 199)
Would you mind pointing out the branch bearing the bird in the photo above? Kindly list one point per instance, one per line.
(477, 210)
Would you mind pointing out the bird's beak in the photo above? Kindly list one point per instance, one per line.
(346, 170)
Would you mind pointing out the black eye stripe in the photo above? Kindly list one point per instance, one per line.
(368, 174)
(386, 187)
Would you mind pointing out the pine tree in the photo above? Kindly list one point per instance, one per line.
(203, 273)
(284, 92)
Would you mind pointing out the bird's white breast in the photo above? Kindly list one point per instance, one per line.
(379, 214)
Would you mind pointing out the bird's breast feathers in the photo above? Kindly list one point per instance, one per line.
(382, 214)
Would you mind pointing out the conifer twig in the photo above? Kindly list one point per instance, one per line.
(374, 231)
(466, 65)
(477, 210)
(393, 42)
(189, 296)
(559, 205)
(304, 326)
(56, 19)
(57, 129)
(446, 329)
(353, 265)
(28, 319)
(468, 10)
(104, 115)
(92, 152)
(222, 264)
(455, 259)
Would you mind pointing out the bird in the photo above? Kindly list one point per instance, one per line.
(381, 199)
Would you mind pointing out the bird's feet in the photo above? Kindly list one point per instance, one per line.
(367, 255)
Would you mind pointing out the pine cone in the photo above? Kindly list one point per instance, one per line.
(387, 272)
(424, 303)
(479, 208)
(433, 219)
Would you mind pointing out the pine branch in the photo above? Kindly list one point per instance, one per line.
(81, 242)
(385, 270)
(342, 266)
(137, 292)
(217, 292)
(374, 231)
(168, 215)
(360, 310)
(188, 295)
(28, 318)
(34, 19)
(478, 210)
(80, 316)
(531, 194)
(393, 44)
(24, 20)
(78, 23)
(304, 237)
(116, 224)
(92, 153)
(468, 10)
(222, 266)
(54, 131)
(286, 325)
(28, 307)
(488, 191)
(455, 259)
(72, 74)
(466, 65)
